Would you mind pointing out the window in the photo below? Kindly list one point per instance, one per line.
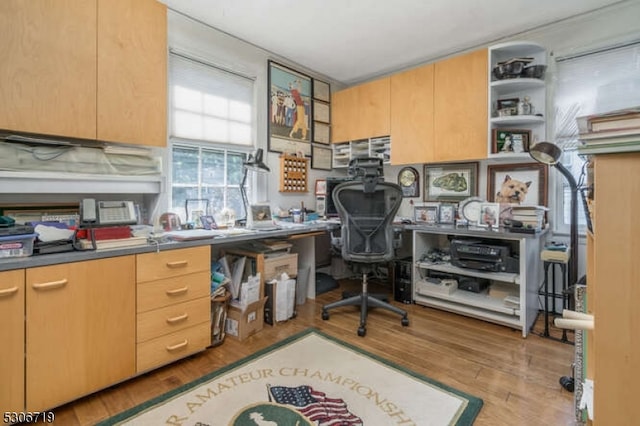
(590, 83)
(212, 127)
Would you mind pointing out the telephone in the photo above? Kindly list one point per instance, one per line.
(94, 212)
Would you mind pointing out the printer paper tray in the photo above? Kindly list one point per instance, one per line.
(449, 268)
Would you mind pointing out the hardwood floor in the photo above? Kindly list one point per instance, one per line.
(516, 378)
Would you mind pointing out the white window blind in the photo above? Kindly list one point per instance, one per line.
(589, 83)
(210, 104)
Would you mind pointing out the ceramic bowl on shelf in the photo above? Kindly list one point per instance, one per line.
(534, 71)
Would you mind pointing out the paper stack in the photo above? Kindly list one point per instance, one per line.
(615, 131)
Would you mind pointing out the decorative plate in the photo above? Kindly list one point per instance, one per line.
(469, 209)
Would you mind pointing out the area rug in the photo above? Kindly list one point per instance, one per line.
(308, 379)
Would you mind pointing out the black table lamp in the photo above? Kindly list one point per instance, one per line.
(549, 153)
(254, 163)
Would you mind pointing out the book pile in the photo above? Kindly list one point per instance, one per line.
(615, 131)
(532, 217)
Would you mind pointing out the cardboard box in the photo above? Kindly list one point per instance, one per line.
(275, 266)
(241, 324)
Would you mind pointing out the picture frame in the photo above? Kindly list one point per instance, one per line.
(426, 213)
(510, 141)
(450, 182)
(321, 90)
(507, 103)
(290, 110)
(489, 215)
(321, 187)
(321, 157)
(321, 133)
(208, 222)
(447, 213)
(321, 112)
(520, 183)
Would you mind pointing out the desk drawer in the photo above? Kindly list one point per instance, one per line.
(172, 318)
(169, 291)
(174, 346)
(275, 266)
(172, 263)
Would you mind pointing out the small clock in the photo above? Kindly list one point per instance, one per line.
(409, 181)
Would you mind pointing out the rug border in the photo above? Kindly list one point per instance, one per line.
(467, 417)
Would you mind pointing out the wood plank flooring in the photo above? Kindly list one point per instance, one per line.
(516, 378)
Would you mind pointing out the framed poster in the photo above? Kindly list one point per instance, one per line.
(290, 110)
(321, 133)
(321, 91)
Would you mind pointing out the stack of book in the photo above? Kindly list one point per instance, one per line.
(532, 217)
(615, 131)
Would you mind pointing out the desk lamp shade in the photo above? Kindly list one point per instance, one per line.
(549, 153)
(254, 163)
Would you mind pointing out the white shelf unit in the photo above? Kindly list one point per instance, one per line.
(379, 147)
(481, 305)
(518, 88)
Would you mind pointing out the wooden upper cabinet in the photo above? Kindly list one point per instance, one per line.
(48, 71)
(412, 116)
(362, 111)
(132, 72)
(460, 107)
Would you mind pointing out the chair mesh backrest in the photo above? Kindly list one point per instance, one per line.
(367, 232)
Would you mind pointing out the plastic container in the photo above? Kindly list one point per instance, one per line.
(17, 245)
(302, 285)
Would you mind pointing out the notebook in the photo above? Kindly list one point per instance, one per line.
(259, 218)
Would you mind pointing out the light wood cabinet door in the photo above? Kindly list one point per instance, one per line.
(362, 111)
(48, 73)
(132, 72)
(12, 338)
(460, 107)
(80, 333)
(614, 292)
(412, 116)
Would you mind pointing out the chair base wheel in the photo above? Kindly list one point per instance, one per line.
(405, 321)
(325, 315)
(362, 331)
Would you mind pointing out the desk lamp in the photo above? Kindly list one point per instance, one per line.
(549, 153)
(255, 164)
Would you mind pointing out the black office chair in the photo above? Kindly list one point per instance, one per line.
(366, 207)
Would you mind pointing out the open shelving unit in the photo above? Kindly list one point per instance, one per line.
(344, 152)
(481, 305)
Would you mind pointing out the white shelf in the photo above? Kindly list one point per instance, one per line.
(379, 147)
(451, 269)
(468, 298)
(516, 84)
(517, 120)
(510, 319)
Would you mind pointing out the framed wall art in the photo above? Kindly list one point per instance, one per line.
(290, 110)
(321, 133)
(321, 157)
(510, 141)
(524, 184)
(450, 182)
(321, 91)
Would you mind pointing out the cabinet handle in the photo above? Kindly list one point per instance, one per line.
(8, 291)
(177, 291)
(50, 285)
(177, 346)
(178, 318)
(177, 264)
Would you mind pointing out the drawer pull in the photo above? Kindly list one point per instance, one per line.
(177, 291)
(177, 264)
(178, 318)
(8, 291)
(177, 346)
(50, 285)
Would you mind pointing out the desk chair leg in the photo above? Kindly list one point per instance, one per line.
(364, 300)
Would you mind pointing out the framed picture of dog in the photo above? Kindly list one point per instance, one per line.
(450, 182)
(522, 184)
(426, 214)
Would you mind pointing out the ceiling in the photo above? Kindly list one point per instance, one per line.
(351, 41)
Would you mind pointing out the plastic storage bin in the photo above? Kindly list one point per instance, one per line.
(17, 245)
